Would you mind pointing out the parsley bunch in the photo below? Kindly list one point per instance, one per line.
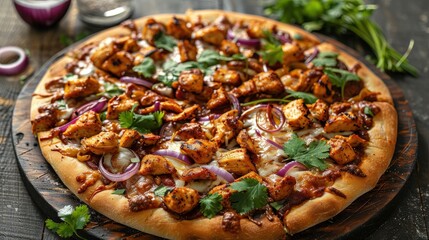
(313, 155)
(340, 16)
(73, 219)
(141, 123)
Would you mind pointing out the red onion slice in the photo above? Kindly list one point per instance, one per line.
(249, 42)
(170, 153)
(312, 56)
(280, 115)
(283, 37)
(15, 67)
(42, 13)
(209, 117)
(283, 171)
(96, 106)
(157, 106)
(274, 144)
(220, 172)
(138, 81)
(253, 108)
(234, 101)
(65, 126)
(130, 171)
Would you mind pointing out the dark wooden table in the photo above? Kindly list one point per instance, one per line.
(408, 215)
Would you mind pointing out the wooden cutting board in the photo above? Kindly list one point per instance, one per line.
(357, 221)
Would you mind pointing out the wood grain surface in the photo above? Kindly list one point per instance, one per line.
(407, 218)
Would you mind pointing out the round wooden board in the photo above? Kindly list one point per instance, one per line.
(356, 221)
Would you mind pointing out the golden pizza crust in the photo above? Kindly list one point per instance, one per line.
(377, 158)
(160, 223)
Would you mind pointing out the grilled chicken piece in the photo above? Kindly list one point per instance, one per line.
(87, 125)
(198, 173)
(323, 89)
(265, 82)
(227, 126)
(229, 48)
(343, 122)
(192, 80)
(187, 50)
(155, 165)
(163, 106)
(104, 142)
(237, 161)
(355, 141)
(292, 53)
(118, 63)
(181, 199)
(226, 76)
(191, 130)
(301, 80)
(100, 55)
(186, 114)
(178, 28)
(210, 34)
(127, 43)
(150, 97)
(256, 29)
(81, 87)
(151, 29)
(341, 151)
(200, 150)
(253, 175)
(319, 110)
(226, 192)
(118, 104)
(281, 188)
(129, 137)
(143, 201)
(296, 114)
(218, 99)
(149, 139)
(339, 107)
(43, 122)
(245, 141)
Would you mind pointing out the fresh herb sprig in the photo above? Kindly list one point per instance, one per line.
(272, 51)
(339, 78)
(341, 15)
(164, 41)
(141, 123)
(313, 155)
(73, 219)
(111, 90)
(250, 195)
(211, 205)
(146, 68)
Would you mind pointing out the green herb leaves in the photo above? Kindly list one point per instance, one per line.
(119, 191)
(250, 195)
(164, 41)
(326, 59)
(111, 90)
(73, 219)
(211, 205)
(339, 78)
(307, 97)
(312, 156)
(141, 123)
(146, 68)
(272, 51)
(161, 190)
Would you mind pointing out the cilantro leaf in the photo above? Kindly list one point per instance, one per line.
(164, 41)
(146, 68)
(73, 219)
(103, 115)
(250, 195)
(111, 90)
(308, 97)
(141, 123)
(312, 156)
(211, 205)
(325, 59)
(272, 51)
(210, 58)
(172, 71)
(367, 110)
(340, 77)
(161, 190)
(119, 191)
(277, 205)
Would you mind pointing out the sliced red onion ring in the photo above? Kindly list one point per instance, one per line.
(249, 42)
(234, 101)
(209, 117)
(280, 115)
(220, 172)
(283, 37)
(170, 153)
(19, 65)
(130, 171)
(283, 171)
(96, 106)
(65, 126)
(253, 108)
(274, 144)
(138, 81)
(312, 56)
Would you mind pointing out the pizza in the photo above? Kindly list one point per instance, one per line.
(214, 125)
